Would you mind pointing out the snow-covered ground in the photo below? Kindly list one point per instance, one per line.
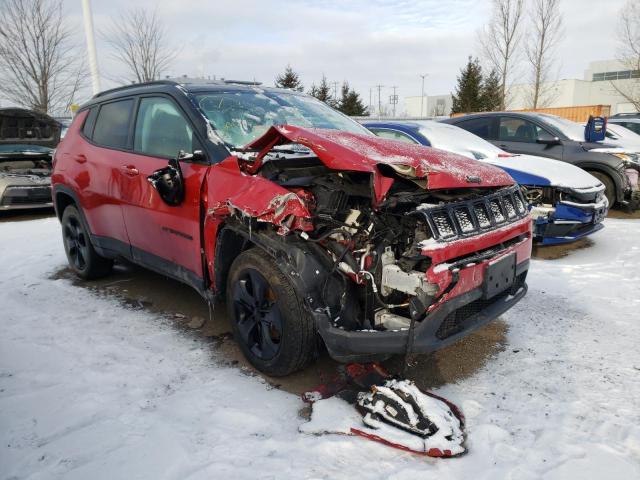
(90, 389)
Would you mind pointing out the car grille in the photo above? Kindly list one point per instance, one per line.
(472, 217)
(26, 195)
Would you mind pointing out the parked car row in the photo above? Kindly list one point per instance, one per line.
(555, 137)
(316, 230)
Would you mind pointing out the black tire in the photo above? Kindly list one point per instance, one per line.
(82, 257)
(270, 323)
(609, 186)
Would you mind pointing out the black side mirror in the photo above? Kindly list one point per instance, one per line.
(169, 183)
(549, 141)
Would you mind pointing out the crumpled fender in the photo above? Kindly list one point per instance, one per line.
(233, 192)
(363, 153)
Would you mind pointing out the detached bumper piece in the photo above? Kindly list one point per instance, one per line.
(446, 324)
(364, 400)
(16, 197)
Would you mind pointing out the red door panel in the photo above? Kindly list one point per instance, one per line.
(172, 233)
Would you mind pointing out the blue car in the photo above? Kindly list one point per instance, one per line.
(566, 202)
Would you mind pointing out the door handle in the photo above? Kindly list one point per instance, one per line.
(502, 145)
(80, 158)
(130, 170)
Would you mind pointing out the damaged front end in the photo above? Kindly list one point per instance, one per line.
(390, 245)
(563, 214)
(27, 140)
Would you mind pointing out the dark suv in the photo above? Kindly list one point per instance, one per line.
(554, 137)
(313, 229)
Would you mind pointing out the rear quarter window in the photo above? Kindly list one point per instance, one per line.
(112, 124)
(90, 122)
(482, 127)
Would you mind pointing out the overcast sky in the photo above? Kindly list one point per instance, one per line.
(365, 42)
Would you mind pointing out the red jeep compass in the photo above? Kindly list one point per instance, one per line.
(314, 229)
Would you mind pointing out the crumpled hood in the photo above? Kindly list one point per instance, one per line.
(349, 151)
(541, 171)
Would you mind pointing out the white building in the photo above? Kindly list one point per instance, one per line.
(596, 88)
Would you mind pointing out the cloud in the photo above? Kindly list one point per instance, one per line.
(365, 42)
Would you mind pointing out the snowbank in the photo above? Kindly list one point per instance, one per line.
(92, 389)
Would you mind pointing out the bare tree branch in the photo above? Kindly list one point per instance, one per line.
(139, 41)
(500, 39)
(540, 49)
(629, 52)
(40, 67)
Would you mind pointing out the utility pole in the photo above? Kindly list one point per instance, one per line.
(335, 91)
(91, 45)
(422, 94)
(379, 87)
(393, 100)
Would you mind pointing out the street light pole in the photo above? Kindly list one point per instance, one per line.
(422, 94)
(91, 45)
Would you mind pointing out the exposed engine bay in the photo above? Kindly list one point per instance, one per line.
(39, 167)
(373, 270)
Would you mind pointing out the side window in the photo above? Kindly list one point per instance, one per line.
(634, 127)
(520, 130)
(482, 127)
(112, 124)
(393, 135)
(161, 130)
(89, 122)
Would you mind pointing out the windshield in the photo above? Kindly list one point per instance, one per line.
(570, 129)
(240, 117)
(23, 148)
(457, 140)
(618, 132)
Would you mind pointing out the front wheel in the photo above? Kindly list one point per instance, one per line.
(82, 257)
(270, 323)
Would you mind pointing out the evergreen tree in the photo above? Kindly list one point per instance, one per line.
(469, 89)
(323, 92)
(289, 79)
(350, 102)
(491, 94)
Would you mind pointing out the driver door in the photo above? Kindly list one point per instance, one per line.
(164, 238)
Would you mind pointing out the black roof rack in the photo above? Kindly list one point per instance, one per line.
(175, 83)
(135, 85)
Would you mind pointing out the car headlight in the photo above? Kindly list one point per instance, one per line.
(628, 157)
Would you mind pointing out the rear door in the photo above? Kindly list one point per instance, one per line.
(519, 135)
(98, 176)
(163, 237)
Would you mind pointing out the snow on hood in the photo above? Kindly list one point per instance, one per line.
(349, 151)
(540, 171)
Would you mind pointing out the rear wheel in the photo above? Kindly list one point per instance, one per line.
(609, 186)
(270, 322)
(82, 257)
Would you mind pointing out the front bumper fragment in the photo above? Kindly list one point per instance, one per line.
(445, 325)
